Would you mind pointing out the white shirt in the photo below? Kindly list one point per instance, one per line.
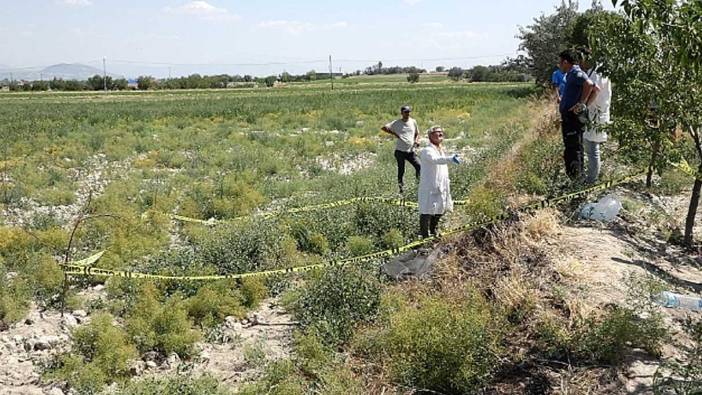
(434, 185)
(599, 108)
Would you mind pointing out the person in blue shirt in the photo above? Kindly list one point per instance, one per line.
(578, 92)
(558, 83)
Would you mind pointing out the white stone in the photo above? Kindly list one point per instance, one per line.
(151, 365)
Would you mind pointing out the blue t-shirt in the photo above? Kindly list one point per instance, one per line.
(573, 88)
(558, 78)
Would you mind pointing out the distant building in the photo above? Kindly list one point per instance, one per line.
(132, 83)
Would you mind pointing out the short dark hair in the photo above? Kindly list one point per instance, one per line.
(569, 55)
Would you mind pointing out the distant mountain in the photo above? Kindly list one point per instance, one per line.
(66, 71)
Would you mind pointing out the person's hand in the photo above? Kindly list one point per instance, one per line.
(578, 108)
(456, 159)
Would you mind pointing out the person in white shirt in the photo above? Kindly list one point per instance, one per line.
(406, 131)
(434, 192)
(598, 109)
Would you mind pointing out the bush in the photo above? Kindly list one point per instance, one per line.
(605, 340)
(281, 378)
(601, 339)
(212, 303)
(413, 78)
(335, 300)
(444, 346)
(101, 353)
(164, 328)
(359, 245)
(393, 239)
(15, 297)
(253, 290)
(175, 385)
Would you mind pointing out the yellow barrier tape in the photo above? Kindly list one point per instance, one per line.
(686, 168)
(76, 268)
(338, 203)
(88, 261)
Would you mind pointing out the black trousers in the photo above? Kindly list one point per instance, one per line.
(428, 224)
(401, 157)
(572, 131)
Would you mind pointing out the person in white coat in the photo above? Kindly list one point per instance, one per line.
(434, 184)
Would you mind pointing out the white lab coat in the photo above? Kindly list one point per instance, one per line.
(434, 184)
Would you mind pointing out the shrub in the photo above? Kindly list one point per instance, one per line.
(280, 378)
(212, 303)
(413, 78)
(175, 385)
(335, 300)
(605, 340)
(15, 297)
(445, 346)
(164, 328)
(359, 245)
(253, 291)
(393, 239)
(101, 353)
(239, 248)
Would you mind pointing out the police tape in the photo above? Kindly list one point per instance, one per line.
(685, 167)
(83, 267)
(295, 210)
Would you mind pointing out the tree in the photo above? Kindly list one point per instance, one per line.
(146, 82)
(456, 73)
(546, 38)
(413, 77)
(120, 84)
(653, 55)
(440, 69)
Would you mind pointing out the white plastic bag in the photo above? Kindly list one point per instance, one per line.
(606, 209)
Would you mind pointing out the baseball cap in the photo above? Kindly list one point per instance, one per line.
(405, 108)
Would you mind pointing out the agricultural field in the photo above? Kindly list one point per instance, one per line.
(87, 172)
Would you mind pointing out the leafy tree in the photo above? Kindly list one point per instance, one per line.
(97, 83)
(456, 73)
(146, 82)
(412, 78)
(653, 55)
(547, 37)
(120, 84)
(440, 69)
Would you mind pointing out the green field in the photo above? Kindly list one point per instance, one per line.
(124, 162)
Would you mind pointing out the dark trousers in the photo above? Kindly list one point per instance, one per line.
(401, 157)
(572, 131)
(428, 224)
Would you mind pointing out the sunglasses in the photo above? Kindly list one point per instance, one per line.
(438, 133)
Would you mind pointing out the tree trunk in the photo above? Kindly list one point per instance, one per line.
(652, 164)
(692, 210)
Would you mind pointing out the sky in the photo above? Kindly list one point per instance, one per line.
(180, 37)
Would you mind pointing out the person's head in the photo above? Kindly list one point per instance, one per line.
(585, 55)
(405, 112)
(436, 135)
(567, 59)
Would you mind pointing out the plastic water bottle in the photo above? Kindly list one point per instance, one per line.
(606, 209)
(669, 299)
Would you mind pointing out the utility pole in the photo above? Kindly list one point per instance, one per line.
(169, 72)
(104, 75)
(331, 73)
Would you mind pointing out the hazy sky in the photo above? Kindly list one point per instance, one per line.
(230, 36)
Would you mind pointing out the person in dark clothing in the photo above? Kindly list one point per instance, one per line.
(406, 131)
(576, 95)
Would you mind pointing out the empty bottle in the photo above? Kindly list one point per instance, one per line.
(669, 299)
(606, 209)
